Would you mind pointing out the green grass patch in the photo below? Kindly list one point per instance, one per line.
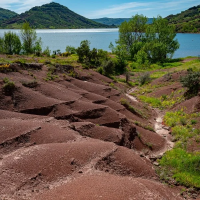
(165, 101)
(179, 164)
(183, 166)
(154, 102)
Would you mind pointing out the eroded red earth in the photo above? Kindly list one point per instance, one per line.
(72, 139)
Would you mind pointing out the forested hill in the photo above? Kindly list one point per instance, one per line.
(6, 14)
(116, 21)
(187, 21)
(52, 15)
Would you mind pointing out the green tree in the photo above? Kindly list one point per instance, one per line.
(1, 45)
(154, 42)
(132, 31)
(12, 43)
(160, 40)
(29, 39)
(83, 51)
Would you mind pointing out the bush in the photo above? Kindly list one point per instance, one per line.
(191, 81)
(108, 67)
(144, 78)
(30, 84)
(38, 47)
(47, 52)
(9, 86)
(100, 70)
(70, 50)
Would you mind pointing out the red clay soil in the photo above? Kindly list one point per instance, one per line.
(148, 141)
(109, 187)
(72, 139)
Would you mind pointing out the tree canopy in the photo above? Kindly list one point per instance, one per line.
(143, 42)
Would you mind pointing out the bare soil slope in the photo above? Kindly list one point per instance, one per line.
(72, 139)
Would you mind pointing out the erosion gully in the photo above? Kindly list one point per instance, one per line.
(159, 128)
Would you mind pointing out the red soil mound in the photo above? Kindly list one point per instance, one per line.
(127, 163)
(109, 187)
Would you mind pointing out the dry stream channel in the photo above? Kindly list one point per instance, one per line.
(159, 128)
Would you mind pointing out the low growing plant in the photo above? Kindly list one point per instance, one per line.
(9, 86)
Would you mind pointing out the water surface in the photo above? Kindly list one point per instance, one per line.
(101, 38)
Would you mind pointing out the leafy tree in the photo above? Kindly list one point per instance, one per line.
(160, 39)
(29, 39)
(95, 56)
(12, 43)
(151, 42)
(83, 51)
(38, 47)
(132, 31)
(1, 45)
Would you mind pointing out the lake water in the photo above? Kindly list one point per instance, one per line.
(101, 38)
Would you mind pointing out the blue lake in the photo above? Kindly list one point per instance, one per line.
(101, 38)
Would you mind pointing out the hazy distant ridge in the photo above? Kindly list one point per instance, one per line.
(116, 21)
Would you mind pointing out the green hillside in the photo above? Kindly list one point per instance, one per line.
(52, 15)
(6, 14)
(115, 21)
(187, 21)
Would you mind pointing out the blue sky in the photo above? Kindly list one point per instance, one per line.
(108, 8)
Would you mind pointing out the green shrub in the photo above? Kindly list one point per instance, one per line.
(100, 70)
(108, 67)
(144, 78)
(47, 52)
(70, 50)
(193, 121)
(9, 86)
(191, 81)
(30, 84)
(183, 121)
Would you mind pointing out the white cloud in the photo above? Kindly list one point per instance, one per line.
(147, 7)
(125, 7)
(20, 6)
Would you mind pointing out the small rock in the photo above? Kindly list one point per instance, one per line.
(153, 158)
(159, 156)
(80, 171)
(166, 128)
(72, 161)
(156, 163)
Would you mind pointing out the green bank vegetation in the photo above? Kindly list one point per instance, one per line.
(179, 163)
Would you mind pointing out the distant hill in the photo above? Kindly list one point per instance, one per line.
(52, 15)
(187, 21)
(6, 14)
(116, 21)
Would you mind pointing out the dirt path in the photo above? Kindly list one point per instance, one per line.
(159, 128)
(163, 131)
